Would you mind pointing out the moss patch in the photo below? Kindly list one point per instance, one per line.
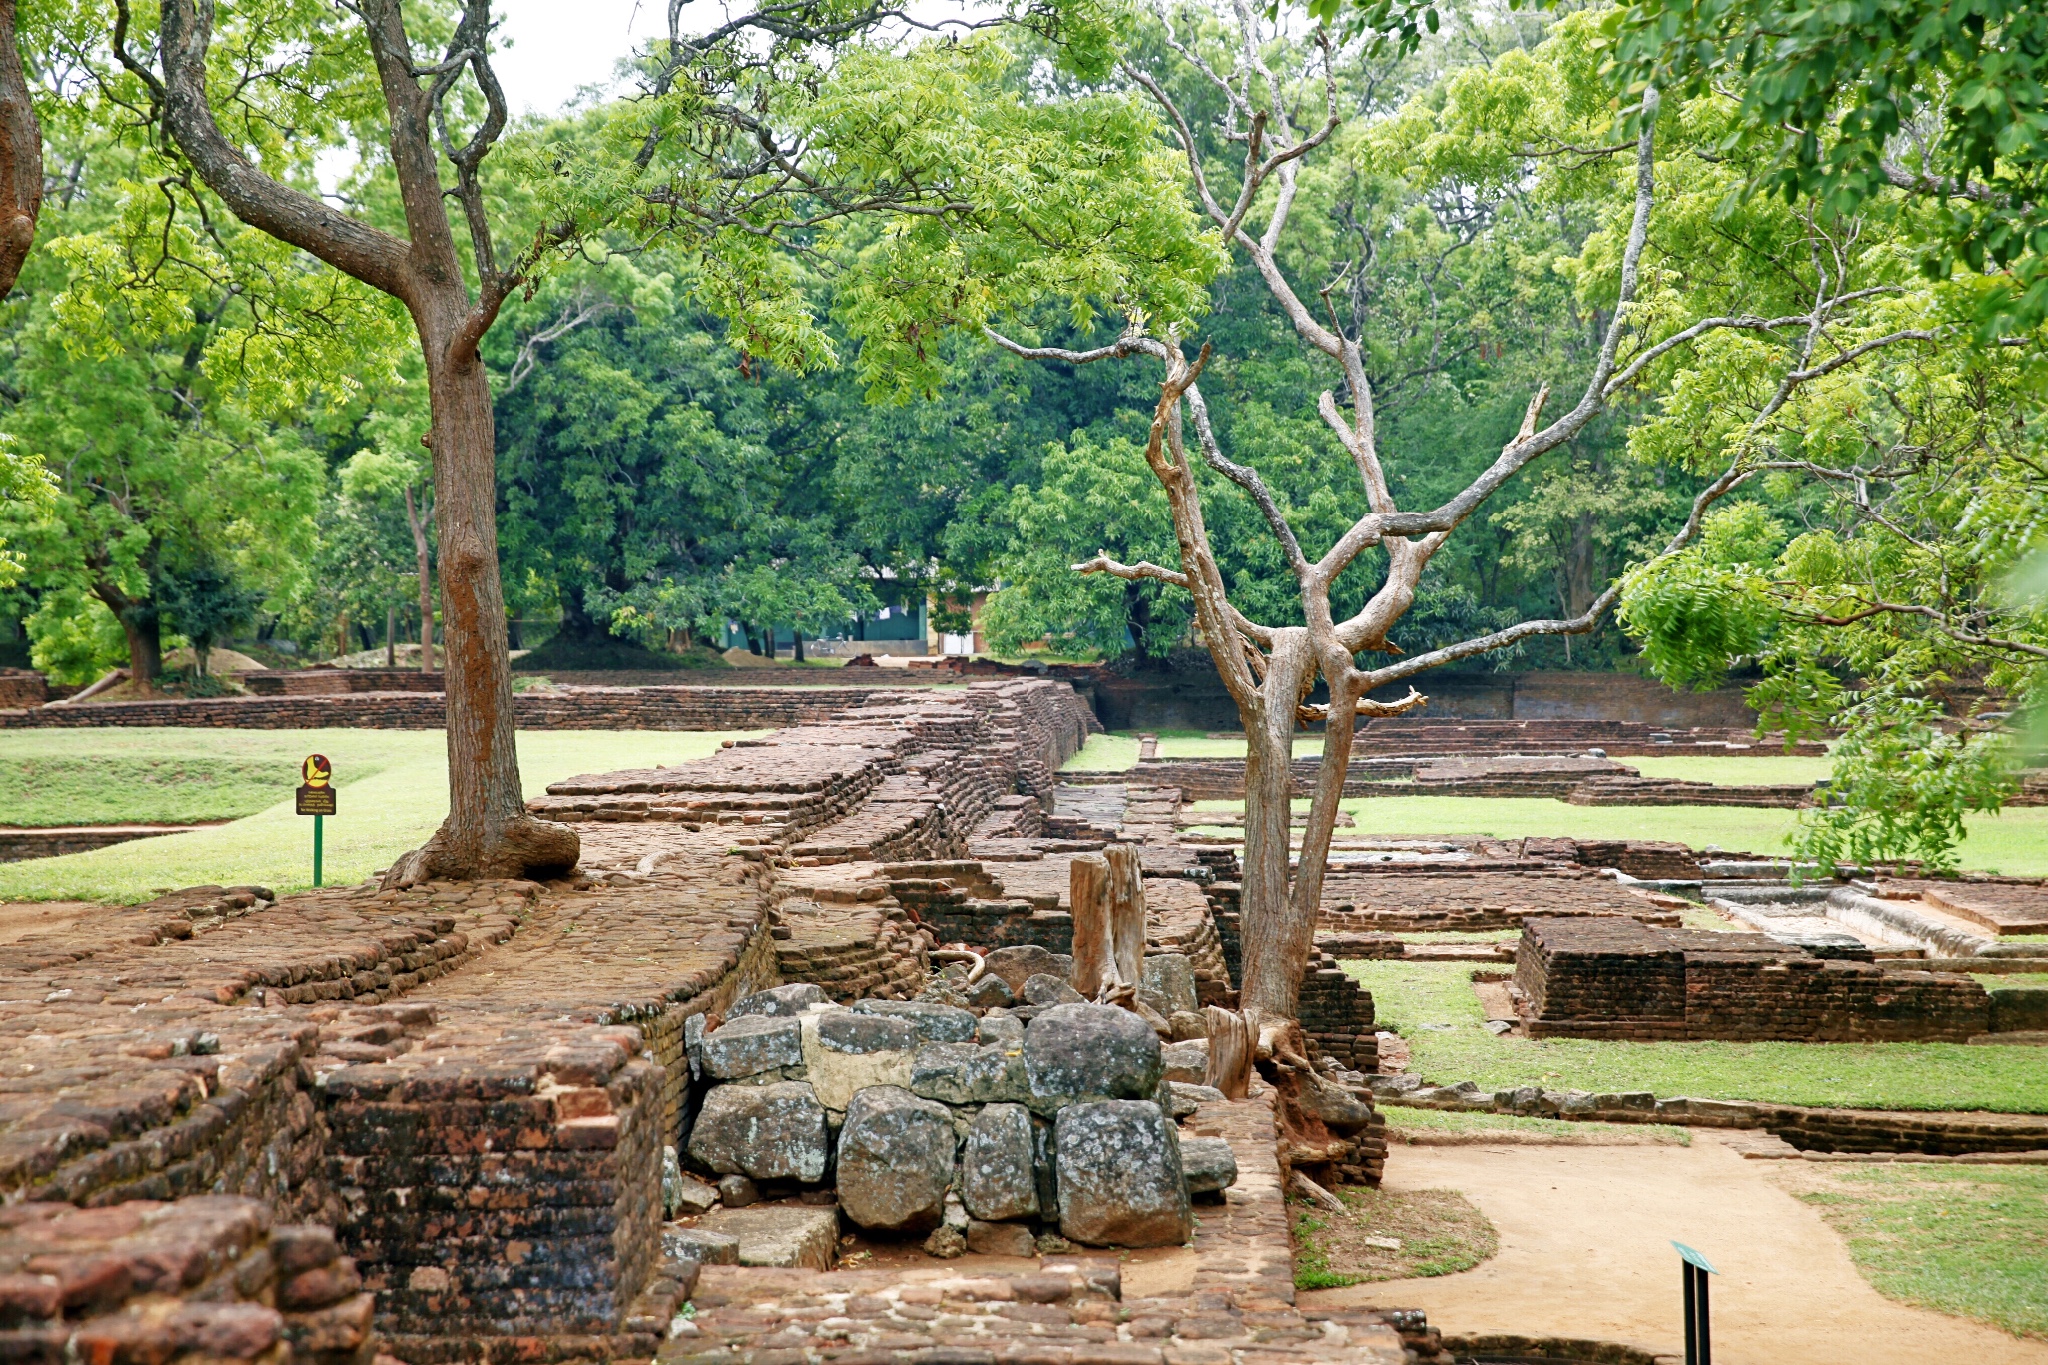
(1384, 1235)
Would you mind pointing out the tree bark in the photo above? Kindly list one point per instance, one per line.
(21, 158)
(426, 576)
(1088, 897)
(1126, 912)
(1274, 948)
(390, 636)
(144, 632)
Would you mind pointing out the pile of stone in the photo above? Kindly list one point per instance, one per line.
(991, 1128)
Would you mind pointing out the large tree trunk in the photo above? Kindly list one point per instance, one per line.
(426, 577)
(21, 158)
(488, 832)
(144, 632)
(1273, 944)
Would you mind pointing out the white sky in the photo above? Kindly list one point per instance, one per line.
(556, 47)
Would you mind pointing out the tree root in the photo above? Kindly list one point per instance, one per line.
(523, 847)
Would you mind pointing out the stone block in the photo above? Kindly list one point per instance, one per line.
(895, 1160)
(753, 1044)
(1050, 990)
(766, 1132)
(991, 992)
(966, 1073)
(852, 1032)
(700, 1244)
(1090, 1052)
(1000, 1239)
(1000, 1030)
(788, 1236)
(1172, 976)
(836, 1076)
(1188, 1061)
(1018, 964)
(1120, 1176)
(935, 1023)
(1208, 1163)
(781, 1001)
(997, 1181)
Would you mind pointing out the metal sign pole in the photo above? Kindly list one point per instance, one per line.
(1693, 1270)
(318, 821)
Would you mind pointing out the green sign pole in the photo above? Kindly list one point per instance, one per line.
(318, 821)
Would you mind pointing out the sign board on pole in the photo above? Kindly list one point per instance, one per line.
(316, 796)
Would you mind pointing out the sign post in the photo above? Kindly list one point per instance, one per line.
(1694, 1268)
(316, 798)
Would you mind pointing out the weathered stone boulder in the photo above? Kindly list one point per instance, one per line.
(895, 1160)
(752, 1044)
(767, 1132)
(1208, 1163)
(1019, 964)
(1187, 1062)
(935, 1023)
(701, 1245)
(965, 1073)
(996, 1176)
(1172, 978)
(1089, 1052)
(851, 1031)
(991, 992)
(1000, 1239)
(1000, 1030)
(1120, 1176)
(841, 1057)
(780, 1001)
(1050, 990)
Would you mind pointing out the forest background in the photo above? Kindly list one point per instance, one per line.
(232, 435)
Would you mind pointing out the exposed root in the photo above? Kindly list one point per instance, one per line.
(523, 847)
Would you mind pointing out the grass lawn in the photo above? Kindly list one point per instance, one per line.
(1966, 1240)
(1451, 1121)
(392, 787)
(1409, 995)
(1733, 772)
(55, 789)
(1388, 1235)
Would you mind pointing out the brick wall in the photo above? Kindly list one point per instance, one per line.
(1617, 978)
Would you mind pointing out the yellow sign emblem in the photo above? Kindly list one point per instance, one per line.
(319, 772)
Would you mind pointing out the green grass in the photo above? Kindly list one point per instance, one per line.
(392, 787)
(1407, 995)
(1451, 1121)
(1733, 772)
(45, 790)
(1437, 1232)
(2014, 842)
(1105, 754)
(1969, 1241)
(2036, 980)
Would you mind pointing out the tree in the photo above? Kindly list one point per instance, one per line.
(21, 156)
(1516, 134)
(205, 604)
(699, 155)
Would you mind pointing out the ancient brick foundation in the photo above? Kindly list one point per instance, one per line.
(1619, 978)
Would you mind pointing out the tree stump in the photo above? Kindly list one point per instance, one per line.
(1126, 912)
(1233, 1038)
(1088, 890)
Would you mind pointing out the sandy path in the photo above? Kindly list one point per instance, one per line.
(19, 918)
(1585, 1236)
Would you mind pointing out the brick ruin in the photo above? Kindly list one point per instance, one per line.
(1617, 977)
(477, 1086)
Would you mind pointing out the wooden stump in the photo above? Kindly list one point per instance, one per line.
(1126, 912)
(1088, 891)
(1233, 1038)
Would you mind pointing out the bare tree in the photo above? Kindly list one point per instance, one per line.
(21, 158)
(1271, 670)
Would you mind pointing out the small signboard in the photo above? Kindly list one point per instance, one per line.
(316, 796)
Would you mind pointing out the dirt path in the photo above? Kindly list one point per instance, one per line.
(18, 918)
(1585, 1251)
